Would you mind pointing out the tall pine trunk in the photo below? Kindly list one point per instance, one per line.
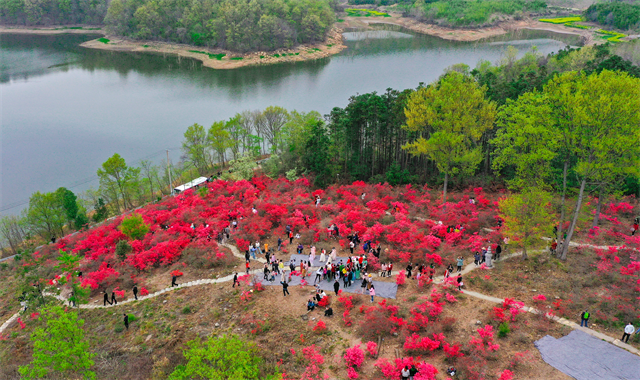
(572, 226)
(563, 203)
(446, 182)
(598, 208)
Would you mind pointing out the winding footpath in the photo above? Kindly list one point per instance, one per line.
(440, 279)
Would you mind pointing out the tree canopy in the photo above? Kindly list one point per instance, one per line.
(224, 357)
(59, 347)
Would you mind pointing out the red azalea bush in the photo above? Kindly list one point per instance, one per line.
(372, 348)
(320, 327)
(354, 356)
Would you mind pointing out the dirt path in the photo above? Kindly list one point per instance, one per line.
(440, 279)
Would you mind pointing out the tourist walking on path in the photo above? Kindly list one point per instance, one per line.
(584, 318)
(628, 330)
(409, 268)
(336, 286)
(235, 280)
(279, 243)
(135, 292)
(389, 268)
(285, 287)
(318, 275)
(460, 284)
(113, 298)
(460, 263)
(106, 298)
(126, 321)
(372, 292)
(499, 251)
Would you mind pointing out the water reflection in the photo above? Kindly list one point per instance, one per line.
(66, 109)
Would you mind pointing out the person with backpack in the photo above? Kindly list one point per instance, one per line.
(584, 318)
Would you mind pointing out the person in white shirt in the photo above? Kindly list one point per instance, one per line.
(405, 373)
(628, 330)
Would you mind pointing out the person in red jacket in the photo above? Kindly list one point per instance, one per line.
(389, 268)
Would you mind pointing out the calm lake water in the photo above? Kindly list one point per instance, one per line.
(65, 109)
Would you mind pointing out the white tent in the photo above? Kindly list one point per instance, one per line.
(195, 183)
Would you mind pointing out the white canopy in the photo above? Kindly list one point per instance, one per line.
(196, 182)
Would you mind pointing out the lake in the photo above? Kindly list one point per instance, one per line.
(66, 109)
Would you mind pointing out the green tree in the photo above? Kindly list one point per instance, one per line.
(242, 168)
(123, 248)
(316, 153)
(68, 201)
(118, 179)
(69, 263)
(596, 118)
(13, 230)
(528, 216)
(275, 118)
(451, 117)
(60, 347)
(524, 140)
(45, 215)
(225, 357)
(100, 209)
(236, 134)
(134, 227)
(195, 148)
(76, 215)
(219, 140)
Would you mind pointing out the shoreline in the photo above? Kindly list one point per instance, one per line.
(85, 29)
(333, 44)
(462, 34)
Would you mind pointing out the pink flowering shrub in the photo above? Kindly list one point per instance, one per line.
(401, 278)
(420, 345)
(354, 357)
(372, 348)
(320, 327)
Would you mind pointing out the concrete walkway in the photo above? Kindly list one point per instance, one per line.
(470, 267)
(562, 321)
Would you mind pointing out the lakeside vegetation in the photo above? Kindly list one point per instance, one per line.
(616, 14)
(228, 24)
(460, 12)
(240, 26)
